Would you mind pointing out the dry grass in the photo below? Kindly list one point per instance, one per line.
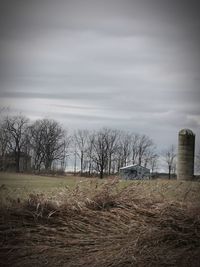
(110, 226)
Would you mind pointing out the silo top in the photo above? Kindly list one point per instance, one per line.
(186, 132)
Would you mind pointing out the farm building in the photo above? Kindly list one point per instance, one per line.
(134, 172)
(8, 163)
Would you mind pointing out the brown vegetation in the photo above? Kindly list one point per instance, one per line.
(106, 227)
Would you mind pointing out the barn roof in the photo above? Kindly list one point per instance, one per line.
(133, 166)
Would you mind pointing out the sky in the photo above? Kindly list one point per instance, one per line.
(131, 64)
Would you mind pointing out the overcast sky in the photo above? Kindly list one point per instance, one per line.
(132, 65)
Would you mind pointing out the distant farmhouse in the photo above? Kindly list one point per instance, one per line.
(8, 163)
(134, 172)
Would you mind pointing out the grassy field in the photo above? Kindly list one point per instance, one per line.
(21, 185)
(36, 181)
(74, 222)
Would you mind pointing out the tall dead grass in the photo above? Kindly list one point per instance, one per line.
(107, 227)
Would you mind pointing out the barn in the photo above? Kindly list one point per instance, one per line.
(134, 172)
(8, 163)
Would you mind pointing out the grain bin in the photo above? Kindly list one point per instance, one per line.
(186, 148)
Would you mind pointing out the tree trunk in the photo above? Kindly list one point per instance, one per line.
(101, 172)
(89, 168)
(17, 161)
(109, 164)
(48, 165)
(169, 172)
(81, 162)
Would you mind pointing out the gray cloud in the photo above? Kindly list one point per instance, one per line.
(128, 64)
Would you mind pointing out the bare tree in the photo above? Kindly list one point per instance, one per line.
(123, 151)
(169, 156)
(135, 147)
(90, 152)
(114, 149)
(144, 145)
(81, 142)
(111, 138)
(37, 144)
(153, 162)
(4, 138)
(16, 128)
(75, 158)
(48, 143)
(100, 149)
(103, 151)
(54, 142)
(65, 154)
(150, 157)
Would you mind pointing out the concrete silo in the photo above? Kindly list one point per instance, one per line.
(186, 148)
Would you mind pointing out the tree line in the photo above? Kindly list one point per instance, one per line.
(50, 146)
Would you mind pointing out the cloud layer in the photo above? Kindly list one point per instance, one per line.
(127, 64)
